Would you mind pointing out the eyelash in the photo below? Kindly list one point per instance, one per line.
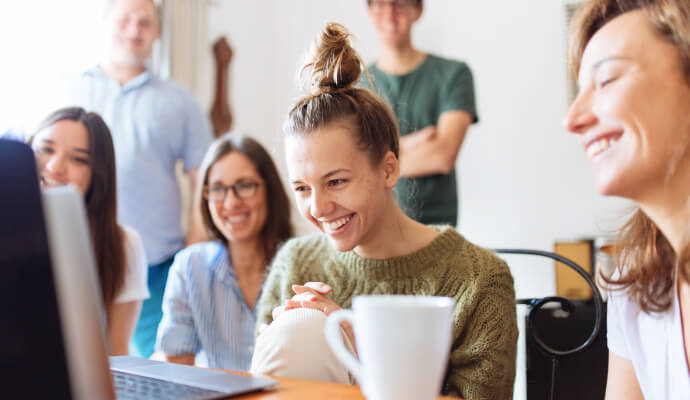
(606, 82)
(335, 182)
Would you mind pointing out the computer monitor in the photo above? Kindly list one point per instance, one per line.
(51, 344)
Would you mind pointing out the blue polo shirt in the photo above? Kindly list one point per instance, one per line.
(154, 124)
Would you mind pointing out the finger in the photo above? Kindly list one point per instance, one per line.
(305, 296)
(290, 304)
(320, 287)
(314, 287)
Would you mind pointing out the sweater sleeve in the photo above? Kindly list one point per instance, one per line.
(482, 359)
(278, 285)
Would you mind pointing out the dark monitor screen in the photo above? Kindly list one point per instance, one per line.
(32, 354)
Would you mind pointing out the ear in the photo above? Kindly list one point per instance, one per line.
(391, 169)
(418, 12)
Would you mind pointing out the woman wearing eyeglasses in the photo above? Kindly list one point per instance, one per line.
(212, 288)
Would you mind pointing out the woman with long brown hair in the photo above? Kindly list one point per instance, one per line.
(73, 146)
(632, 116)
(210, 297)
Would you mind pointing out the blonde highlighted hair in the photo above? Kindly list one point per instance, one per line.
(646, 259)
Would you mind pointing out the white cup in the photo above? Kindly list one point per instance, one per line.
(403, 343)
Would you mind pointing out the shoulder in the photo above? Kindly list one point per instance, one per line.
(200, 256)
(448, 68)
(481, 262)
(133, 246)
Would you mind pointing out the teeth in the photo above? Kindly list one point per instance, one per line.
(334, 225)
(599, 147)
(234, 220)
(51, 182)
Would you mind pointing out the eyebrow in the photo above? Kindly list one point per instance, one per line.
(77, 149)
(246, 178)
(326, 176)
(607, 59)
(334, 172)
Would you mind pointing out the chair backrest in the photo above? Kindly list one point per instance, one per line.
(528, 329)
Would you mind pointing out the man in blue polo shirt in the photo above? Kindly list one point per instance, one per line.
(154, 124)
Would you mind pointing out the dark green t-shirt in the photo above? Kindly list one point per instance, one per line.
(418, 99)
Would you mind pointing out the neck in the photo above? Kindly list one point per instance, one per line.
(248, 256)
(394, 235)
(122, 73)
(669, 208)
(400, 59)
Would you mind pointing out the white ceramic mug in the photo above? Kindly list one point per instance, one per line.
(403, 343)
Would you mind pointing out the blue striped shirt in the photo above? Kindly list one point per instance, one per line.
(204, 312)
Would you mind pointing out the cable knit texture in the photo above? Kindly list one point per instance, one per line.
(482, 359)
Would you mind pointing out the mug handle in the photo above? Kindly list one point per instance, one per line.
(335, 341)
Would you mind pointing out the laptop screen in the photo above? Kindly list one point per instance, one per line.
(32, 354)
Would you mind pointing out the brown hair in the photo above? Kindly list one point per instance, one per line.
(334, 70)
(278, 227)
(100, 199)
(646, 259)
(417, 3)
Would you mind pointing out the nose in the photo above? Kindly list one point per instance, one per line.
(56, 165)
(580, 116)
(319, 204)
(231, 199)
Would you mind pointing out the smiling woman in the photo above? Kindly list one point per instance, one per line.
(342, 156)
(632, 117)
(212, 288)
(73, 146)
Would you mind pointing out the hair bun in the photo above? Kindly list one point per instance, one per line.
(334, 65)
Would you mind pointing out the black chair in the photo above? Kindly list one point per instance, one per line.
(566, 305)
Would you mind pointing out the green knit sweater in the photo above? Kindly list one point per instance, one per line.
(482, 358)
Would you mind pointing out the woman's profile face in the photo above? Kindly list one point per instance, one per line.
(633, 109)
(236, 196)
(335, 186)
(63, 155)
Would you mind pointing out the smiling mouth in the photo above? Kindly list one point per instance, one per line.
(333, 226)
(601, 145)
(51, 182)
(237, 219)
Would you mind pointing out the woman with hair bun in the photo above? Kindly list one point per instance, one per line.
(342, 157)
(632, 117)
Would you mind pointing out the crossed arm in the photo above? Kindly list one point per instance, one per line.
(434, 150)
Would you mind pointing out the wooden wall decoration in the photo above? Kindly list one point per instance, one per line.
(221, 116)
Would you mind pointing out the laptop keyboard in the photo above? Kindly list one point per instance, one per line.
(135, 387)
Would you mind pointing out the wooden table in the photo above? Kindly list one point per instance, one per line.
(299, 389)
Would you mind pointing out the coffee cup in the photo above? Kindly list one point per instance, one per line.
(402, 342)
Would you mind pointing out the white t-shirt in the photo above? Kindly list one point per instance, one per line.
(654, 344)
(134, 286)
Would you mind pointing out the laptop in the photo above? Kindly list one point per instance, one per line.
(52, 328)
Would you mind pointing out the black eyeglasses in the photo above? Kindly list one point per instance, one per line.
(243, 190)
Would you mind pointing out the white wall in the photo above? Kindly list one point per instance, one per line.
(524, 181)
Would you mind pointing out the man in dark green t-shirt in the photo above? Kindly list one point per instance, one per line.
(433, 101)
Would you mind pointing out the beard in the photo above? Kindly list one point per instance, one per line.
(120, 56)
